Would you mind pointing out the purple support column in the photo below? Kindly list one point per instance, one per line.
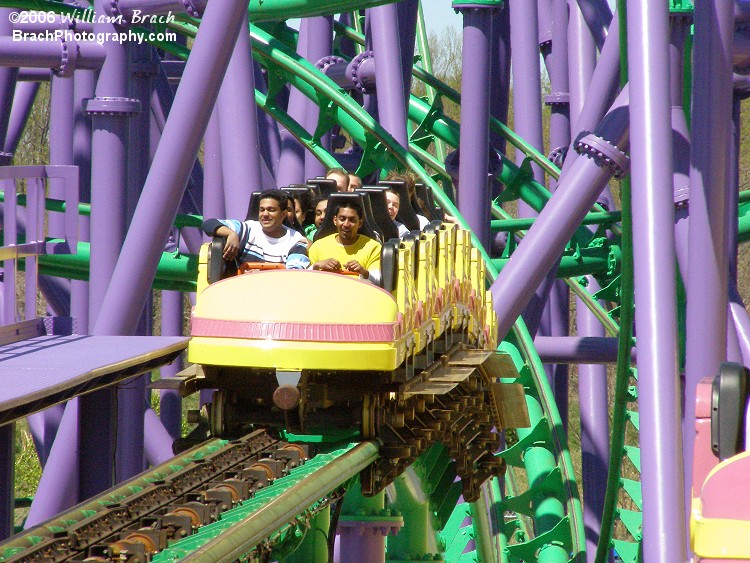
(291, 169)
(407, 34)
(7, 84)
(319, 44)
(7, 479)
(110, 110)
(213, 180)
(592, 392)
(500, 71)
(527, 120)
(390, 85)
(547, 238)
(131, 394)
(58, 487)
(157, 442)
(268, 130)
(83, 90)
(597, 15)
(555, 322)
(23, 99)
(170, 411)
(474, 191)
(174, 157)
(708, 265)
(582, 60)
(656, 308)
(585, 114)
(527, 97)
(239, 128)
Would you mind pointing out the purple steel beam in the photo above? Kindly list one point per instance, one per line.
(655, 289)
(170, 410)
(576, 349)
(500, 71)
(174, 157)
(58, 487)
(555, 321)
(319, 44)
(213, 181)
(390, 84)
(408, 11)
(239, 128)
(708, 266)
(48, 54)
(131, 394)
(291, 169)
(474, 196)
(23, 100)
(7, 82)
(592, 392)
(597, 14)
(109, 111)
(582, 60)
(83, 90)
(268, 130)
(547, 238)
(157, 441)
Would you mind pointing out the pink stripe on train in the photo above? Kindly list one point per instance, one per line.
(305, 332)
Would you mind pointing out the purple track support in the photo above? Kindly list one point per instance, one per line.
(7, 83)
(110, 110)
(407, 24)
(555, 320)
(474, 194)
(291, 169)
(319, 45)
(546, 239)
(582, 57)
(213, 180)
(7, 479)
(390, 85)
(157, 441)
(597, 15)
(500, 50)
(586, 114)
(23, 99)
(656, 309)
(709, 264)
(83, 89)
(268, 130)
(170, 403)
(58, 487)
(239, 128)
(527, 97)
(592, 392)
(171, 167)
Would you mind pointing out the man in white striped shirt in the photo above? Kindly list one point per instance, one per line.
(265, 240)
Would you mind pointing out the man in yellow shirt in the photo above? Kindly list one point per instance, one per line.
(347, 249)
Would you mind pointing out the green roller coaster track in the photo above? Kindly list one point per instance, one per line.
(539, 516)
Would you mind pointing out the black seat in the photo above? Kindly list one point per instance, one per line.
(729, 395)
(326, 186)
(425, 194)
(314, 189)
(379, 206)
(406, 213)
(328, 228)
(252, 212)
(389, 265)
(218, 268)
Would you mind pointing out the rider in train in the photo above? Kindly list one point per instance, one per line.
(346, 248)
(266, 240)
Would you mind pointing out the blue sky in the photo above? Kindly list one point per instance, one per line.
(438, 15)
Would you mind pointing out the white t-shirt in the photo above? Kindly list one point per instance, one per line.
(257, 246)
